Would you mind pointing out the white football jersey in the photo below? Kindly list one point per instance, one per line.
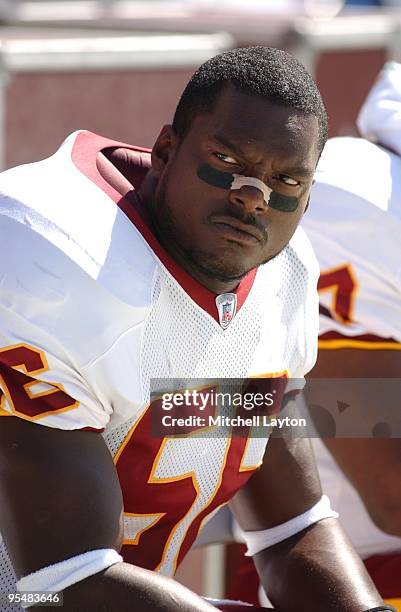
(92, 309)
(354, 224)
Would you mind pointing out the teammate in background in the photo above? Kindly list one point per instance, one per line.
(109, 282)
(354, 224)
(357, 196)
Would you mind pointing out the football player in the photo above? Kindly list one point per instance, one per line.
(357, 194)
(356, 197)
(111, 282)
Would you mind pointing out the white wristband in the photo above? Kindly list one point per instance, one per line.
(259, 540)
(59, 576)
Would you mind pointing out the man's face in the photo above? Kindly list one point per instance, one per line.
(217, 233)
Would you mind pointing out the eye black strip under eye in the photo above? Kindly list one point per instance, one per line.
(214, 177)
(282, 202)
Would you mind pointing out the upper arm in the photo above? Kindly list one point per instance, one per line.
(60, 494)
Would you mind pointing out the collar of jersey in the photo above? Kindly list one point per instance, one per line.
(85, 149)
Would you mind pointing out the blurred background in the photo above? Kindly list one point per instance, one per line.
(117, 67)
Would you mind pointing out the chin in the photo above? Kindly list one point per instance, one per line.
(220, 271)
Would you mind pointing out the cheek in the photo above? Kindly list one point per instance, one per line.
(180, 204)
(190, 198)
(283, 225)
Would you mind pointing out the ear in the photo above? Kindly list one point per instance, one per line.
(164, 148)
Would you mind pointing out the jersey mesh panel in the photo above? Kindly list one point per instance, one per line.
(114, 437)
(253, 452)
(181, 340)
(7, 580)
(291, 296)
(196, 349)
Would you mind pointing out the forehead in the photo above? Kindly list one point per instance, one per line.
(259, 127)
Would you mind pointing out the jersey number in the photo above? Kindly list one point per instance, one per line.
(341, 283)
(170, 485)
(28, 397)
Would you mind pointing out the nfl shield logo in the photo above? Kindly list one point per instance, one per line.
(227, 307)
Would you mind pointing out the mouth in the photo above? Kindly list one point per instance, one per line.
(235, 230)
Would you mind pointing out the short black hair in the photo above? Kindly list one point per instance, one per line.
(265, 72)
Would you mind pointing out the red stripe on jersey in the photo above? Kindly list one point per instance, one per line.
(86, 148)
(333, 335)
(385, 571)
(170, 498)
(325, 311)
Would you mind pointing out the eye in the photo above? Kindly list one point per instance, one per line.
(227, 159)
(284, 178)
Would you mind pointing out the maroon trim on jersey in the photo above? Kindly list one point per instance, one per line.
(326, 312)
(170, 499)
(385, 571)
(17, 385)
(101, 430)
(86, 147)
(333, 335)
(242, 578)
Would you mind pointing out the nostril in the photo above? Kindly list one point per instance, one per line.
(251, 185)
(249, 197)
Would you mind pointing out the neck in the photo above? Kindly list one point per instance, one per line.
(213, 284)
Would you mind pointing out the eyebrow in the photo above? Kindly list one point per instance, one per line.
(304, 171)
(227, 143)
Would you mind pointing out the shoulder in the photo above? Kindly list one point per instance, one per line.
(344, 161)
(356, 202)
(354, 223)
(69, 252)
(359, 177)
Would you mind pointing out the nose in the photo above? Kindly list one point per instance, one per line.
(249, 198)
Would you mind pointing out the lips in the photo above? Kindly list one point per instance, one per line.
(236, 230)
